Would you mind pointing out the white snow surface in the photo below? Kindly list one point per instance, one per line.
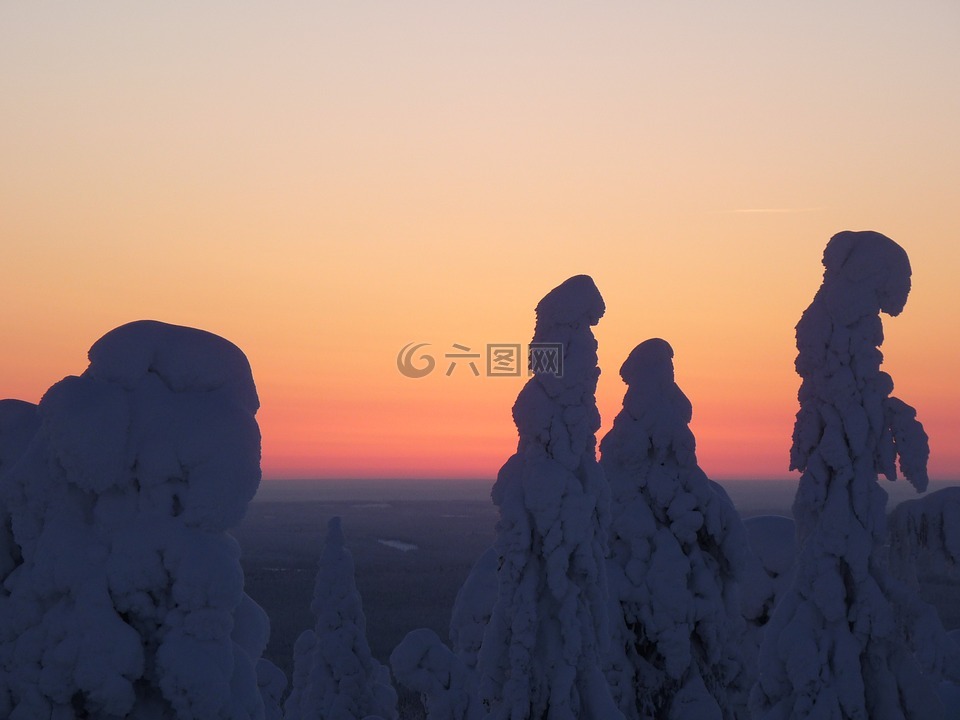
(847, 640)
(687, 595)
(542, 651)
(123, 593)
(335, 676)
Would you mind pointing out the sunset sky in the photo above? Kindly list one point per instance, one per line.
(323, 183)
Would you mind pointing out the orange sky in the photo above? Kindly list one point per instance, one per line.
(324, 184)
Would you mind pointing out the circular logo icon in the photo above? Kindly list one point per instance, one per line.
(405, 361)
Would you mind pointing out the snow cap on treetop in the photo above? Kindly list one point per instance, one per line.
(871, 262)
(184, 358)
(572, 301)
(334, 533)
(650, 361)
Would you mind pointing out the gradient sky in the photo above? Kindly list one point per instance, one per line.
(323, 183)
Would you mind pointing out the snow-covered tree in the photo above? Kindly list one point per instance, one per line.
(542, 651)
(683, 581)
(925, 536)
(127, 595)
(272, 682)
(924, 539)
(445, 684)
(335, 676)
(19, 422)
(846, 639)
(949, 691)
(445, 678)
(472, 608)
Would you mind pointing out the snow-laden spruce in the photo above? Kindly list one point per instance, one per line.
(447, 687)
(446, 677)
(472, 608)
(126, 599)
(335, 677)
(846, 639)
(683, 582)
(19, 422)
(542, 651)
(949, 692)
(925, 536)
(924, 541)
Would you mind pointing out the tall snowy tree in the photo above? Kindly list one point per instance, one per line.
(682, 577)
(841, 642)
(127, 596)
(542, 650)
(335, 676)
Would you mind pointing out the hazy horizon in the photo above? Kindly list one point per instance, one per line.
(749, 496)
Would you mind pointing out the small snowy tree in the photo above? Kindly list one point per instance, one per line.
(127, 596)
(445, 678)
(445, 684)
(542, 650)
(335, 677)
(472, 608)
(682, 578)
(841, 642)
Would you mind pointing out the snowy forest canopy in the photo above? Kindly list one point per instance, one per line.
(620, 588)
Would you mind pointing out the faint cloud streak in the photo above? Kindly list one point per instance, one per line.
(774, 211)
